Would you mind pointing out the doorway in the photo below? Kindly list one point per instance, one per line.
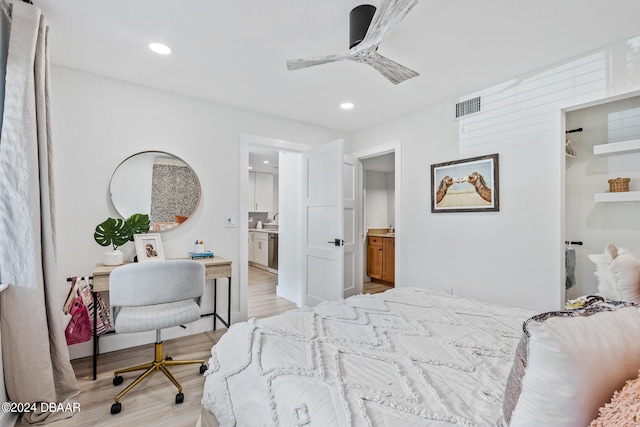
(380, 177)
(288, 158)
(379, 219)
(595, 139)
(293, 236)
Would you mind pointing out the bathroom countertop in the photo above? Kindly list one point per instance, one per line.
(381, 234)
(265, 230)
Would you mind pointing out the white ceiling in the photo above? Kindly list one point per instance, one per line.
(234, 52)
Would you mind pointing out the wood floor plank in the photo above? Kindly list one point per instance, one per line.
(152, 403)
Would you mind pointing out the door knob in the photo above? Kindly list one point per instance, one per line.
(337, 242)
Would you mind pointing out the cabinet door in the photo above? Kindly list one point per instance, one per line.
(388, 259)
(374, 261)
(261, 245)
(263, 192)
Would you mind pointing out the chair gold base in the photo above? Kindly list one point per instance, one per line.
(159, 364)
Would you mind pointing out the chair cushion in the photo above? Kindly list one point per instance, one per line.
(154, 317)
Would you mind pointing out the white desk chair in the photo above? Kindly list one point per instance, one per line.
(154, 295)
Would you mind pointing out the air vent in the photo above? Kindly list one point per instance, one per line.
(467, 107)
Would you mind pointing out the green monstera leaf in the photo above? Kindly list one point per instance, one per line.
(111, 232)
(138, 224)
(117, 231)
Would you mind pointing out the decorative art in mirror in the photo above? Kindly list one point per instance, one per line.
(158, 184)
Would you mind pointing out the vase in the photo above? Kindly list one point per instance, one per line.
(113, 258)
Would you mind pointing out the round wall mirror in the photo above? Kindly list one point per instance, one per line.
(158, 184)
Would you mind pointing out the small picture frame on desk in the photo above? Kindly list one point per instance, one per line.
(148, 247)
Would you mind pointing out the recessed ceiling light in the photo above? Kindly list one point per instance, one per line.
(160, 48)
(266, 162)
(250, 167)
(346, 105)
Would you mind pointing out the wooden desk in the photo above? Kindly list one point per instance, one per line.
(215, 268)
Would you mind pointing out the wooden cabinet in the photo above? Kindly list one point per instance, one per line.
(388, 259)
(381, 258)
(374, 257)
(260, 192)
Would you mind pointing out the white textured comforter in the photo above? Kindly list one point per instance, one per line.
(406, 357)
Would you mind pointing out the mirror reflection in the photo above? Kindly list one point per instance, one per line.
(158, 184)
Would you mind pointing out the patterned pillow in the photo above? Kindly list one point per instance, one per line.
(569, 363)
(624, 408)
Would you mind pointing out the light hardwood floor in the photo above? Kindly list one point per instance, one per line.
(152, 402)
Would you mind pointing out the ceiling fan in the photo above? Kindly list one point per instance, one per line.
(368, 27)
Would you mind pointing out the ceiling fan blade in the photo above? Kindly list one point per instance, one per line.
(297, 64)
(393, 71)
(388, 15)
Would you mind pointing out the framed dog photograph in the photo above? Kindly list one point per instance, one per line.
(148, 247)
(467, 185)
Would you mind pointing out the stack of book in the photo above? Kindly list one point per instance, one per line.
(199, 255)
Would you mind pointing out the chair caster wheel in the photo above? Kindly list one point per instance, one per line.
(179, 398)
(116, 408)
(117, 381)
(203, 369)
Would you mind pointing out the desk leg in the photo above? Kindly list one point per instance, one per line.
(229, 304)
(95, 335)
(216, 316)
(215, 300)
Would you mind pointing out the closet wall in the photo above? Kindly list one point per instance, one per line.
(596, 224)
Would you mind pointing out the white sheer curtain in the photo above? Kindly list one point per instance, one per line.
(34, 350)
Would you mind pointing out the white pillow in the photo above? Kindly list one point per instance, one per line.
(618, 274)
(568, 364)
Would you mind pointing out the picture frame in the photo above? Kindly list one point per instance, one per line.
(466, 185)
(148, 247)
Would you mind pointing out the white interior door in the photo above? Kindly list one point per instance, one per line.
(352, 273)
(323, 250)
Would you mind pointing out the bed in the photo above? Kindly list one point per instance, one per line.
(412, 357)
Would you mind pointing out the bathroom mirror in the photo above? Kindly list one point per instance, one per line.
(158, 184)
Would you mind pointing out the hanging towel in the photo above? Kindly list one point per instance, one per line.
(570, 266)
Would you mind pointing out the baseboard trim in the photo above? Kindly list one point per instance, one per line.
(287, 294)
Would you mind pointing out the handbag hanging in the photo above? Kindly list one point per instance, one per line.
(79, 328)
(102, 317)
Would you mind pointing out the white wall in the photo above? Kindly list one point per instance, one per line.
(276, 197)
(98, 122)
(391, 197)
(514, 256)
(596, 224)
(379, 199)
(289, 228)
(375, 199)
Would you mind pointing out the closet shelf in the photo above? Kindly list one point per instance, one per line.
(624, 147)
(627, 196)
